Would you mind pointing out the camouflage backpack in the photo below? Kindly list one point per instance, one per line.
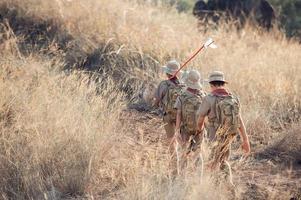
(170, 98)
(227, 113)
(190, 106)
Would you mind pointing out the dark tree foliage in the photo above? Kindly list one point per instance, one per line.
(288, 12)
(289, 16)
(259, 12)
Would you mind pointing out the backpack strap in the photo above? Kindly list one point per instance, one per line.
(217, 114)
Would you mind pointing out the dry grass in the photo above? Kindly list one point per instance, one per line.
(63, 131)
(286, 149)
(52, 130)
(58, 136)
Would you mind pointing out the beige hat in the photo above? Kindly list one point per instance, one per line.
(193, 80)
(217, 76)
(171, 67)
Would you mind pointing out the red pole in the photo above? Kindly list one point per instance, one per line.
(190, 58)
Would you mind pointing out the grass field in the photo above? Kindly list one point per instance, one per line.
(68, 70)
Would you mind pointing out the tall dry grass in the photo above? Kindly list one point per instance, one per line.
(59, 139)
(53, 129)
(61, 134)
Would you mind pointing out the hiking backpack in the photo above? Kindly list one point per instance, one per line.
(190, 106)
(170, 98)
(227, 113)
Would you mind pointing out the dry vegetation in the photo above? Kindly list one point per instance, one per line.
(67, 70)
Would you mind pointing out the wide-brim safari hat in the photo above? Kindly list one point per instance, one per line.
(171, 67)
(217, 76)
(193, 80)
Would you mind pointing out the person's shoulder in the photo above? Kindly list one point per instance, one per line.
(210, 98)
(163, 83)
(168, 83)
(234, 95)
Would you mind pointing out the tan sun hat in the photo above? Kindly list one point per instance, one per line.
(193, 80)
(217, 76)
(171, 67)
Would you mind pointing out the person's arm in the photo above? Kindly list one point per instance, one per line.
(201, 123)
(179, 118)
(243, 135)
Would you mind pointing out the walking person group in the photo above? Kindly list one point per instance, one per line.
(190, 115)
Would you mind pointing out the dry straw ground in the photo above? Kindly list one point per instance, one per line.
(69, 134)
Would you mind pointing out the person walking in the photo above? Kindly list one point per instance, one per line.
(187, 105)
(225, 122)
(166, 95)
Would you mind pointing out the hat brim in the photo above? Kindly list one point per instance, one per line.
(224, 81)
(194, 86)
(170, 72)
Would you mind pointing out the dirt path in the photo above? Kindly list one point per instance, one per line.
(258, 178)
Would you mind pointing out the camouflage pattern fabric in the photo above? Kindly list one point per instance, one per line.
(169, 100)
(190, 105)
